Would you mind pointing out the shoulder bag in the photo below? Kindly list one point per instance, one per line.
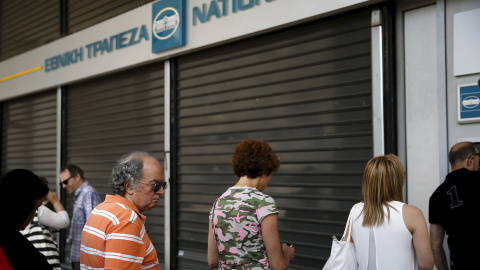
(342, 255)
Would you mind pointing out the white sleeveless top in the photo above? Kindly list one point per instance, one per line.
(388, 246)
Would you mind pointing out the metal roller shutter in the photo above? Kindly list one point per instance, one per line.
(29, 135)
(305, 90)
(85, 13)
(110, 116)
(26, 25)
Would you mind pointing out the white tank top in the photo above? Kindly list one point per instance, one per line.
(388, 246)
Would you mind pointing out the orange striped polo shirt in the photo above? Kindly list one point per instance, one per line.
(114, 237)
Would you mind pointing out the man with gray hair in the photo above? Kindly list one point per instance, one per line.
(114, 236)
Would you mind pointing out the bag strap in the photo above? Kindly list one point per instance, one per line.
(349, 225)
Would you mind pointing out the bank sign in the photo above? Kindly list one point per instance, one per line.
(168, 25)
(168, 30)
(468, 103)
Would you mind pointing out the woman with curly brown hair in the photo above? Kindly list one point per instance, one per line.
(243, 221)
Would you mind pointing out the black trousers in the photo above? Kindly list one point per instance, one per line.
(75, 265)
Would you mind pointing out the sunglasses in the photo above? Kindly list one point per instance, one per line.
(156, 187)
(65, 182)
(474, 154)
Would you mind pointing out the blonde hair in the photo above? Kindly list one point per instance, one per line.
(382, 182)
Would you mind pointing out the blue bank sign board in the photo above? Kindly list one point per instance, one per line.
(168, 25)
(469, 103)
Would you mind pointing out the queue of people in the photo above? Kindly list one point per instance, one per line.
(243, 234)
(387, 233)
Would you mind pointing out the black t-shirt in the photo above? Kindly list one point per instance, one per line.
(455, 206)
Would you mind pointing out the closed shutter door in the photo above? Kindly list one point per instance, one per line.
(26, 25)
(110, 116)
(305, 90)
(85, 13)
(29, 135)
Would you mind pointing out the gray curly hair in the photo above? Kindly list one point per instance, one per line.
(129, 167)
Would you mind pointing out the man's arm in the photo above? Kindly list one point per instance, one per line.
(437, 233)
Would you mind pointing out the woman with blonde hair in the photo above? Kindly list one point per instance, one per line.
(388, 234)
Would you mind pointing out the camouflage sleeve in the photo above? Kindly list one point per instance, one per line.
(211, 211)
(266, 207)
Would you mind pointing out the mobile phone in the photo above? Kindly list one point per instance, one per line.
(290, 245)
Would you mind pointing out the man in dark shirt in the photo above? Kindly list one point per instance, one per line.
(453, 210)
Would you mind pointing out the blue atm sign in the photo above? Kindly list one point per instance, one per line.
(469, 103)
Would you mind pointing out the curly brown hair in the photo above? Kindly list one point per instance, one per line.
(253, 158)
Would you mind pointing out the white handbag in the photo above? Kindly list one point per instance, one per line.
(342, 255)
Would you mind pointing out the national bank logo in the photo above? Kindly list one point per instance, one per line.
(471, 102)
(168, 24)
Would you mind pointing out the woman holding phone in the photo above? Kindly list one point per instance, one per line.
(243, 221)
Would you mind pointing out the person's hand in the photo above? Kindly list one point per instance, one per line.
(52, 197)
(288, 252)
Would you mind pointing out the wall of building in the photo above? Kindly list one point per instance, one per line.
(460, 131)
(427, 94)
(422, 114)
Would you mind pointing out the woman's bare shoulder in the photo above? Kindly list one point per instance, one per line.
(412, 216)
(411, 210)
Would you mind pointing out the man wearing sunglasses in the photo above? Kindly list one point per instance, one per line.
(114, 236)
(453, 209)
(86, 198)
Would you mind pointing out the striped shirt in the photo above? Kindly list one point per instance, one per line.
(42, 239)
(86, 198)
(114, 237)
